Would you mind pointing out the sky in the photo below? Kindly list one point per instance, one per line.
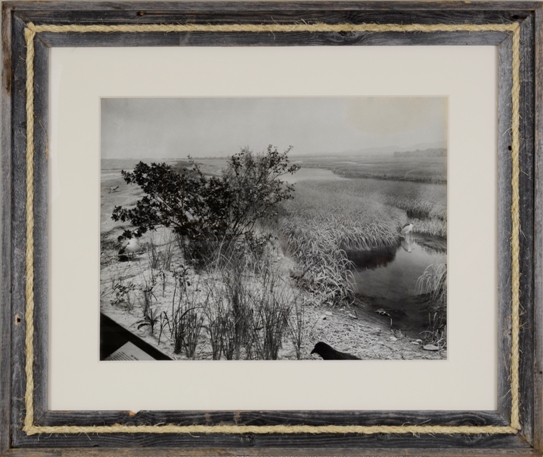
(211, 127)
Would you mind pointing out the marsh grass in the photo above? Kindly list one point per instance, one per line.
(433, 284)
(422, 201)
(436, 333)
(194, 322)
(215, 311)
(183, 322)
(160, 252)
(272, 303)
(322, 223)
(239, 302)
(248, 308)
(147, 294)
(238, 317)
(431, 227)
(299, 326)
(328, 218)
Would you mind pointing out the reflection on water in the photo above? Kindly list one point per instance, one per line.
(407, 244)
(370, 260)
(386, 278)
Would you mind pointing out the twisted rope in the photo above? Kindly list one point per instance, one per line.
(31, 31)
(276, 28)
(515, 217)
(29, 291)
(276, 429)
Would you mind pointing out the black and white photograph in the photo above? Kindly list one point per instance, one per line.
(295, 228)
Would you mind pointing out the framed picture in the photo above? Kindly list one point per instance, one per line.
(271, 228)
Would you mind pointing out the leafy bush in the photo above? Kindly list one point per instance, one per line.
(208, 212)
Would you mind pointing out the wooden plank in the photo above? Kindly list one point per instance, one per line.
(505, 84)
(6, 319)
(527, 225)
(82, 418)
(538, 236)
(41, 226)
(232, 6)
(18, 238)
(271, 39)
(245, 13)
(310, 442)
(277, 451)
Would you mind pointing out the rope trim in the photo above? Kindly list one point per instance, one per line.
(276, 429)
(30, 32)
(264, 28)
(29, 292)
(515, 230)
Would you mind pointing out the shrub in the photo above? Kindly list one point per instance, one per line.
(206, 211)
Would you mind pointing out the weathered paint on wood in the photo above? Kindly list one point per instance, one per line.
(13, 261)
(276, 418)
(272, 39)
(537, 370)
(527, 227)
(18, 220)
(5, 249)
(311, 442)
(505, 7)
(41, 243)
(276, 451)
(505, 83)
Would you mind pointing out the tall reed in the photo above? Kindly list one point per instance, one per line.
(433, 283)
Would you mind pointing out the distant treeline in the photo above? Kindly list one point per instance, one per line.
(437, 152)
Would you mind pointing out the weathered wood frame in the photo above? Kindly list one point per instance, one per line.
(15, 441)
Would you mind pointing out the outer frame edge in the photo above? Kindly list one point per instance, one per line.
(538, 235)
(5, 298)
(6, 131)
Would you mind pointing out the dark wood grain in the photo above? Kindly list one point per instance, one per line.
(247, 13)
(13, 242)
(5, 249)
(518, 7)
(474, 418)
(505, 84)
(41, 227)
(538, 236)
(18, 237)
(271, 39)
(310, 442)
(527, 226)
(275, 451)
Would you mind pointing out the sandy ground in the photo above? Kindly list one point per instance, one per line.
(352, 329)
(368, 341)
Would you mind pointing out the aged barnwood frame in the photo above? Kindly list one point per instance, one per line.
(30, 29)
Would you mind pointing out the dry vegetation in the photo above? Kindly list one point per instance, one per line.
(326, 219)
(275, 299)
(428, 167)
